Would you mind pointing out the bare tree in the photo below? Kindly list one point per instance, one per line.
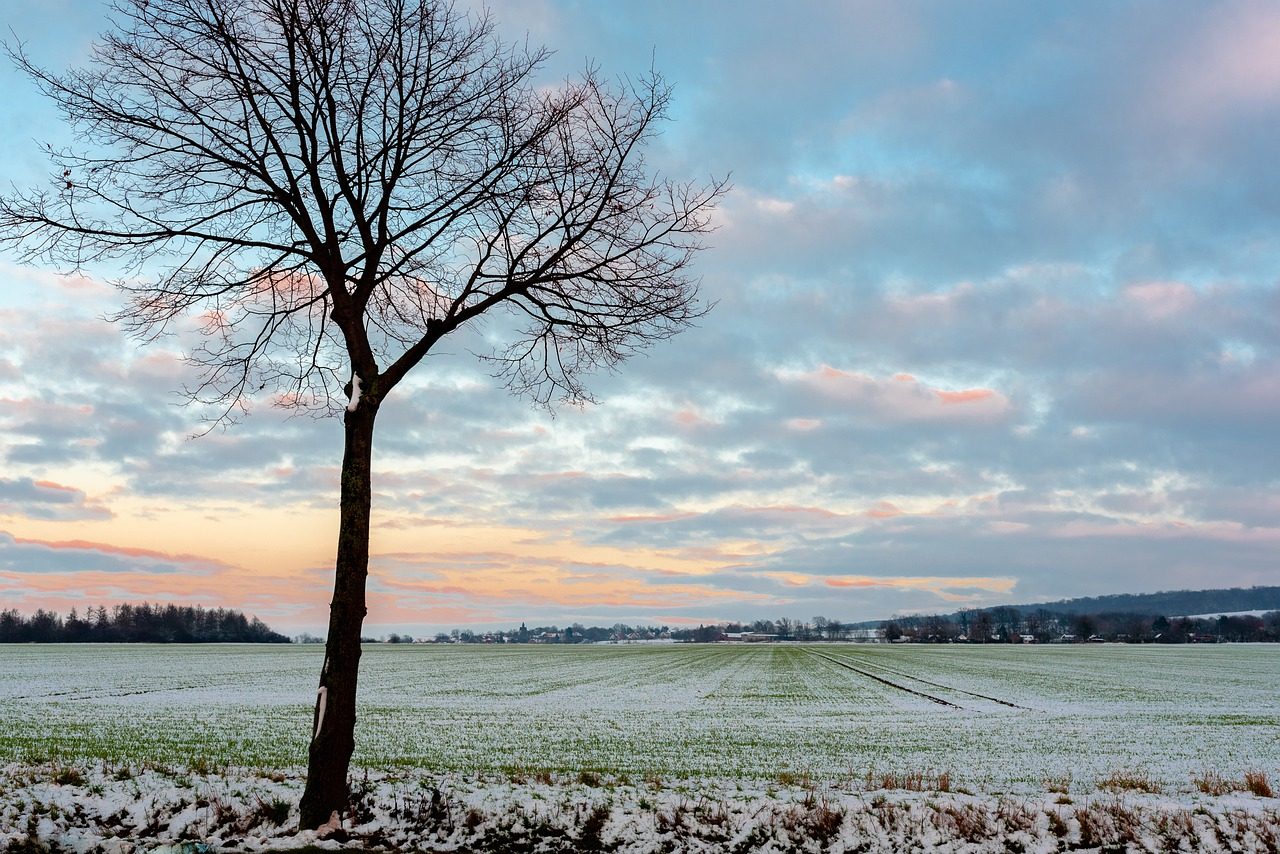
(983, 626)
(332, 187)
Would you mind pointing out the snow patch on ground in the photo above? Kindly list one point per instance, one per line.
(121, 808)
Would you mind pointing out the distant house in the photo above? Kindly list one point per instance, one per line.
(748, 637)
(1067, 639)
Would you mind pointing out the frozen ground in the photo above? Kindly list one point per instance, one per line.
(1018, 718)
(120, 808)
(647, 749)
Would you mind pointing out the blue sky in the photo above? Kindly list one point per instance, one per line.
(997, 321)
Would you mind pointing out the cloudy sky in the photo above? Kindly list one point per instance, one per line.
(997, 321)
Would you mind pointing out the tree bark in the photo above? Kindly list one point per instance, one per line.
(334, 720)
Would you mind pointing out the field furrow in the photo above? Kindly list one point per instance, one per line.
(751, 711)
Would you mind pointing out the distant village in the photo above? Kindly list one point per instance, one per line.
(1007, 625)
(147, 623)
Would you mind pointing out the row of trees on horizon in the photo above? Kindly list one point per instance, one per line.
(993, 625)
(1136, 616)
(145, 623)
(1011, 625)
(821, 628)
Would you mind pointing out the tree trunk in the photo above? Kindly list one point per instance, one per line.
(334, 721)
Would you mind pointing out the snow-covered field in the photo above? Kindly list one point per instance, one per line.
(747, 739)
(1017, 717)
(122, 808)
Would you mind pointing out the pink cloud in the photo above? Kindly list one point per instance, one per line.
(792, 508)
(968, 395)
(692, 418)
(1227, 65)
(45, 499)
(855, 582)
(656, 517)
(883, 510)
(48, 484)
(1160, 300)
(939, 585)
(902, 397)
(802, 425)
(119, 551)
(78, 284)
(934, 305)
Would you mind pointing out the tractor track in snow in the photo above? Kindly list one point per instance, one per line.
(883, 681)
(83, 694)
(940, 685)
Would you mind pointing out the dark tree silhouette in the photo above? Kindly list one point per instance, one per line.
(335, 186)
(143, 623)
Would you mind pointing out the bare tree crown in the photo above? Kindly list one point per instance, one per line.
(332, 186)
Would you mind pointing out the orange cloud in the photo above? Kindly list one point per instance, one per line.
(552, 585)
(656, 517)
(48, 484)
(902, 397)
(803, 425)
(883, 510)
(791, 510)
(968, 395)
(691, 417)
(940, 585)
(791, 579)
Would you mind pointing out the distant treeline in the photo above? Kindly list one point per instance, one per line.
(1012, 625)
(1169, 603)
(1006, 624)
(143, 623)
(1138, 616)
(820, 628)
(1173, 602)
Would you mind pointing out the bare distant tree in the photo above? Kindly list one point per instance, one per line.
(1034, 625)
(1006, 621)
(334, 186)
(983, 626)
(938, 629)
